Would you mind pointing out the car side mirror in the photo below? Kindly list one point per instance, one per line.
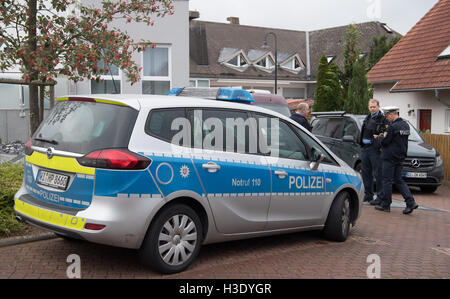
(348, 138)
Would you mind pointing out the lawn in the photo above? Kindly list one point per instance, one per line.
(10, 182)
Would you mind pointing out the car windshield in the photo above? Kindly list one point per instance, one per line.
(82, 127)
(282, 109)
(414, 135)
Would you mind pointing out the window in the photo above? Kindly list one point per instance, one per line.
(238, 62)
(312, 144)
(266, 64)
(328, 127)
(156, 71)
(294, 93)
(350, 128)
(160, 121)
(294, 64)
(223, 130)
(387, 28)
(445, 54)
(330, 59)
(286, 145)
(199, 83)
(110, 82)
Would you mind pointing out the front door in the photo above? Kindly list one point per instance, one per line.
(235, 178)
(424, 120)
(297, 191)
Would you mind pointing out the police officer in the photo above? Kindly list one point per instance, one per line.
(300, 116)
(394, 144)
(374, 124)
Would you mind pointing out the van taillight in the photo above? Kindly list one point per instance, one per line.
(115, 159)
(28, 150)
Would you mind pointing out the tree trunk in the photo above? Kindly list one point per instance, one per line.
(32, 45)
(41, 102)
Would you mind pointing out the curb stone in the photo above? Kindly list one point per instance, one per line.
(26, 239)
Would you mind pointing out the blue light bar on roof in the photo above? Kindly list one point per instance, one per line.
(223, 94)
(235, 95)
(175, 91)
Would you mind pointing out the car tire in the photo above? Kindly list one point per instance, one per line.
(173, 240)
(337, 226)
(428, 189)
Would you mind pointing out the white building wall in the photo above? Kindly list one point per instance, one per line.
(171, 30)
(417, 100)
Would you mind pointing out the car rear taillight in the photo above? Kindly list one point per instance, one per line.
(28, 150)
(93, 226)
(115, 159)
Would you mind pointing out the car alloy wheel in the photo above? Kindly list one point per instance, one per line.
(177, 240)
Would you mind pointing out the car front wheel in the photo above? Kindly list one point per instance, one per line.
(173, 240)
(337, 226)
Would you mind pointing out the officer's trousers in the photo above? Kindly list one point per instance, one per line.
(392, 174)
(371, 165)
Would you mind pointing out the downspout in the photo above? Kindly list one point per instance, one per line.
(308, 59)
(308, 64)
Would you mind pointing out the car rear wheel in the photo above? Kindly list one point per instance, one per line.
(337, 226)
(173, 240)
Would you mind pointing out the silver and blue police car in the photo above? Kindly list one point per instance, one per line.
(167, 174)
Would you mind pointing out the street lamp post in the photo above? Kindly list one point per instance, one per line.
(276, 57)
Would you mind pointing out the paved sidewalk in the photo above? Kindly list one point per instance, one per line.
(409, 246)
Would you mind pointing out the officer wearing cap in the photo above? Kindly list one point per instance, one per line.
(394, 149)
(374, 124)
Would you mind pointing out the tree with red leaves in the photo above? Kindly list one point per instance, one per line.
(47, 38)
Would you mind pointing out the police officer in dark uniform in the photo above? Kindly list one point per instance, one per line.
(374, 124)
(394, 149)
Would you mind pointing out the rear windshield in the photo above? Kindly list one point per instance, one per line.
(83, 127)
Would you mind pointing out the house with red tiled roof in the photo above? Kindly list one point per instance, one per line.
(415, 74)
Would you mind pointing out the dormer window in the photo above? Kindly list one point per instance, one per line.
(266, 64)
(387, 28)
(445, 54)
(238, 61)
(293, 64)
(330, 59)
(233, 58)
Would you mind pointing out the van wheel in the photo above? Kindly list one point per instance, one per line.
(337, 226)
(173, 240)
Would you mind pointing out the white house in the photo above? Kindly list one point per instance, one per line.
(415, 74)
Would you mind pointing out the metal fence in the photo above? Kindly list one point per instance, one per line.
(442, 144)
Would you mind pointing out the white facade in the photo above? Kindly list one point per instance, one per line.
(411, 103)
(170, 32)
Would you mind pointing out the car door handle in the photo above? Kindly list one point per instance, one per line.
(211, 167)
(281, 173)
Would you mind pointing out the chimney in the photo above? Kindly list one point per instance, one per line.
(193, 15)
(233, 20)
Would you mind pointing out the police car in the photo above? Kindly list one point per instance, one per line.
(167, 174)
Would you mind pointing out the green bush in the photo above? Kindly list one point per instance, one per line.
(10, 182)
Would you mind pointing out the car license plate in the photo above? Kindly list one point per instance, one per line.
(416, 175)
(54, 180)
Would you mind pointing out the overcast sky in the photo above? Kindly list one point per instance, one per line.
(307, 15)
